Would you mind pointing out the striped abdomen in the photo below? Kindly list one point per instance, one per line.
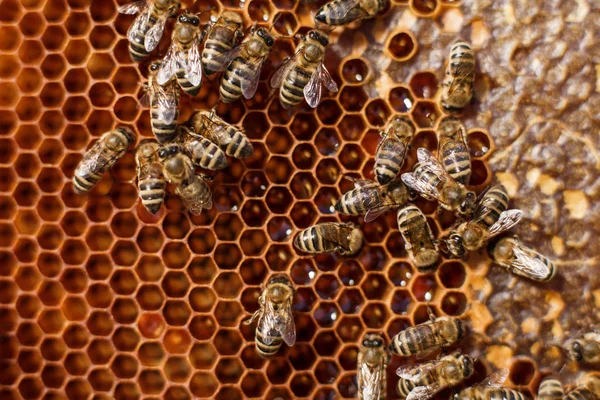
(389, 159)
(291, 92)
(551, 389)
(137, 48)
(164, 133)
(549, 264)
(206, 154)
(311, 240)
(426, 175)
(267, 350)
(83, 183)
(580, 393)
(337, 12)
(240, 146)
(405, 385)
(454, 156)
(494, 202)
(183, 81)
(239, 70)
(503, 394)
(418, 237)
(415, 339)
(462, 60)
(220, 40)
(152, 192)
(353, 201)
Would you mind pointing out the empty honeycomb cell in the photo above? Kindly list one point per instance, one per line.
(102, 66)
(9, 98)
(256, 125)
(325, 200)
(52, 122)
(279, 170)
(452, 274)
(31, 24)
(227, 199)
(74, 223)
(77, 363)
(302, 356)
(454, 303)
(151, 381)
(401, 99)
(51, 293)
(150, 297)
(304, 126)
(228, 313)
(124, 339)
(101, 94)
(54, 38)
(10, 38)
(375, 315)
(27, 305)
(28, 108)
(101, 323)
(50, 151)
(251, 358)
(375, 286)
(175, 255)
(8, 207)
(279, 230)
(102, 12)
(55, 10)
(202, 327)
(305, 299)
(254, 384)
(177, 341)
(425, 8)
(305, 327)
(522, 371)
(28, 333)
(76, 336)
(373, 258)
(26, 250)
(53, 376)
(31, 52)
(304, 156)
(29, 79)
(346, 386)
(425, 114)
(123, 282)
(229, 370)
(328, 171)
(151, 354)
(355, 71)
(326, 314)
(203, 384)
(27, 222)
(53, 66)
(402, 46)
(78, 23)
(8, 236)
(77, 81)
(279, 140)
(50, 179)
(249, 299)
(424, 287)
(401, 302)
(278, 371)
(124, 366)
(479, 173)
(351, 301)
(74, 252)
(126, 391)
(425, 138)
(254, 184)
(253, 271)
(30, 360)
(175, 226)
(27, 278)
(101, 379)
(228, 341)
(303, 214)
(302, 384)
(100, 351)
(31, 387)
(377, 112)
(124, 310)
(327, 372)
(424, 84)
(76, 108)
(102, 37)
(99, 238)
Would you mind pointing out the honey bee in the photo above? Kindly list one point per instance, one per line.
(550, 389)
(223, 36)
(101, 157)
(391, 151)
(242, 74)
(421, 382)
(164, 105)
(511, 254)
(373, 359)
(183, 57)
(230, 138)
(340, 12)
(201, 151)
(418, 238)
(151, 182)
(581, 392)
(148, 27)
(453, 151)
(457, 87)
(490, 219)
(179, 170)
(428, 336)
(330, 236)
(304, 73)
(275, 316)
(491, 389)
(585, 349)
(372, 199)
(432, 181)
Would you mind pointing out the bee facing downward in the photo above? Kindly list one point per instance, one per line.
(223, 36)
(101, 157)
(328, 237)
(453, 151)
(418, 238)
(373, 359)
(391, 151)
(151, 182)
(183, 57)
(304, 74)
(457, 88)
(340, 12)
(164, 104)
(275, 316)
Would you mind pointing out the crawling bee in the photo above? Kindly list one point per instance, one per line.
(391, 151)
(418, 238)
(511, 254)
(340, 12)
(151, 182)
(179, 170)
(457, 87)
(101, 157)
(581, 392)
(148, 27)
(275, 316)
(421, 382)
(242, 74)
(432, 181)
(428, 336)
(453, 151)
(164, 104)
(201, 151)
(304, 74)
(585, 349)
(490, 219)
(223, 36)
(371, 199)
(551, 389)
(373, 359)
(230, 138)
(491, 389)
(328, 237)
(183, 57)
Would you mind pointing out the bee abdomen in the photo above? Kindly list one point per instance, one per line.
(83, 184)
(580, 393)
(152, 193)
(231, 82)
(267, 350)
(209, 156)
(164, 132)
(185, 83)
(414, 340)
(292, 89)
(387, 165)
(405, 386)
(505, 394)
(457, 162)
(240, 146)
(212, 55)
(551, 389)
(311, 241)
(461, 51)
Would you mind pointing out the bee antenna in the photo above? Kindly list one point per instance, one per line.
(203, 11)
(274, 21)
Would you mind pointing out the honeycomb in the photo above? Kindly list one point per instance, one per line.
(101, 299)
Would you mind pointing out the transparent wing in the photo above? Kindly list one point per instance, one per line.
(193, 69)
(216, 131)
(506, 220)
(168, 66)
(93, 160)
(462, 70)
(352, 10)
(428, 160)
(313, 89)
(284, 323)
(360, 183)
(230, 55)
(145, 99)
(496, 378)
(267, 324)
(281, 73)
(155, 33)
(190, 198)
(529, 264)
(132, 8)
(424, 392)
(420, 185)
(250, 85)
(414, 372)
(371, 389)
(139, 23)
(166, 103)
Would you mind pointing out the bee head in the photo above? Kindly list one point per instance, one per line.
(454, 245)
(575, 351)
(461, 328)
(372, 340)
(155, 65)
(168, 151)
(469, 203)
(468, 365)
(318, 37)
(266, 36)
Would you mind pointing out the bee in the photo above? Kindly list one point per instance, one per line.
(242, 74)
(179, 170)
(585, 349)
(101, 157)
(418, 238)
(223, 36)
(148, 27)
(275, 316)
(209, 125)
(183, 57)
(330, 236)
(511, 254)
(164, 104)
(421, 382)
(304, 73)
(201, 151)
(432, 181)
(453, 152)
(428, 336)
(457, 87)
(490, 219)
(371, 199)
(391, 151)
(340, 12)
(491, 389)
(373, 359)
(581, 392)
(151, 182)
(550, 389)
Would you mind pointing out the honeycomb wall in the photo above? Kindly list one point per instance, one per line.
(100, 299)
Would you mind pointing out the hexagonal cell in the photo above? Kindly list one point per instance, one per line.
(279, 140)
(151, 325)
(254, 184)
(229, 370)
(77, 363)
(279, 257)
(286, 23)
(522, 371)
(402, 46)
(452, 274)
(254, 384)
(355, 71)
(303, 384)
(454, 303)
(29, 79)
(279, 170)
(125, 310)
(203, 384)
(479, 143)
(53, 376)
(375, 315)
(30, 387)
(303, 185)
(202, 270)
(152, 381)
(375, 287)
(125, 339)
(424, 84)
(175, 255)
(352, 98)
(424, 287)
(304, 156)
(31, 51)
(425, 114)
(304, 126)
(302, 356)
(326, 314)
(422, 313)
(479, 173)
(377, 112)
(151, 354)
(253, 271)
(401, 302)
(124, 366)
(100, 351)
(350, 273)
(75, 280)
(102, 37)
(326, 198)
(11, 38)
(352, 126)
(425, 8)
(202, 327)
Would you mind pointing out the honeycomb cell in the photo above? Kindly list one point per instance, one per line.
(29, 80)
(177, 369)
(26, 250)
(425, 114)
(53, 376)
(100, 351)
(123, 282)
(31, 387)
(30, 360)
(452, 274)
(54, 37)
(302, 356)
(76, 336)
(479, 173)
(377, 112)
(254, 384)
(52, 122)
(254, 184)
(27, 222)
(279, 170)
(75, 280)
(286, 23)
(424, 287)
(304, 126)
(31, 24)
(355, 71)
(326, 314)
(279, 140)
(522, 371)
(124, 366)
(31, 52)
(347, 386)
(325, 200)
(278, 370)
(375, 315)
(302, 384)
(253, 271)
(203, 384)
(351, 301)
(454, 303)
(401, 302)
(125, 310)
(177, 341)
(352, 127)
(303, 186)
(27, 305)
(227, 198)
(402, 46)
(11, 38)
(151, 381)
(422, 313)
(479, 143)
(229, 370)
(126, 390)
(77, 363)
(150, 297)
(101, 379)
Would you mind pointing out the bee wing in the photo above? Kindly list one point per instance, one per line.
(595, 336)
(429, 161)
(353, 10)
(145, 99)
(93, 160)
(359, 183)
(140, 21)
(372, 381)
(230, 55)
(168, 66)
(250, 85)
(462, 70)
(424, 392)
(155, 33)
(166, 102)
(217, 132)
(496, 378)
(190, 199)
(506, 220)
(285, 325)
(193, 68)
(314, 87)
(410, 373)
(267, 324)
(527, 263)
(132, 8)
(420, 185)
(277, 78)
(333, 232)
